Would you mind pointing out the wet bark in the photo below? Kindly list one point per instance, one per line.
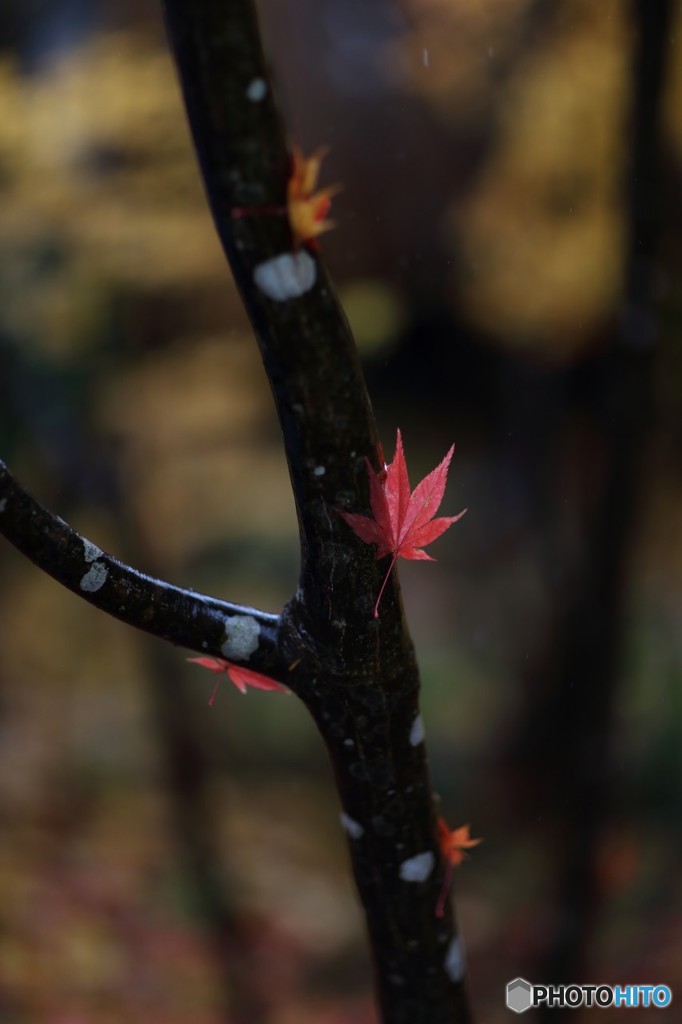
(357, 675)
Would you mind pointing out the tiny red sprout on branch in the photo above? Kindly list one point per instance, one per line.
(402, 523)
(241, 677)
(453, 843)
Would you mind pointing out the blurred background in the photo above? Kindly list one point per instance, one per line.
(509, 253)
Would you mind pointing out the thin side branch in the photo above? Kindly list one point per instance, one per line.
(204, 624)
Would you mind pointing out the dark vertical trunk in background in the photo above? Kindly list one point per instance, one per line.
(565, 745)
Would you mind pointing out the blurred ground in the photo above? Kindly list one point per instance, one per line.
(482, 251)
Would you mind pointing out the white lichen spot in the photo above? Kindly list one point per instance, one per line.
(455, 963)
(352, 827)
(319, 470)
(90, 551)
(417, 868)
(287, 276)
(417, 731)
(348, 743)
(257, 90)
(242, 636)
(95, 577)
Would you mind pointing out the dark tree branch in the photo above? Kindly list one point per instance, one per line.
(205, 624)
(305, 341)
(357, 675)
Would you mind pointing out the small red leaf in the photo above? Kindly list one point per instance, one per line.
(402, 523)
(241, 677)
(214, 664)
(453, 843)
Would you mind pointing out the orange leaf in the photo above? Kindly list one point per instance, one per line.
(454, 842)
(307, 208)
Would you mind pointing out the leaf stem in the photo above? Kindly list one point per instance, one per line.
(383, 585)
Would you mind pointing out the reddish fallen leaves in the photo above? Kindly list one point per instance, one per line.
(402, 522)
(453, 843)
(308, 209)
(241, 677)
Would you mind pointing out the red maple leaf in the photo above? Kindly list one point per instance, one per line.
(241, 677)
(402, 523)
(453, 843)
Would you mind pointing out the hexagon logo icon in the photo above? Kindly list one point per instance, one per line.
(519, 996)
